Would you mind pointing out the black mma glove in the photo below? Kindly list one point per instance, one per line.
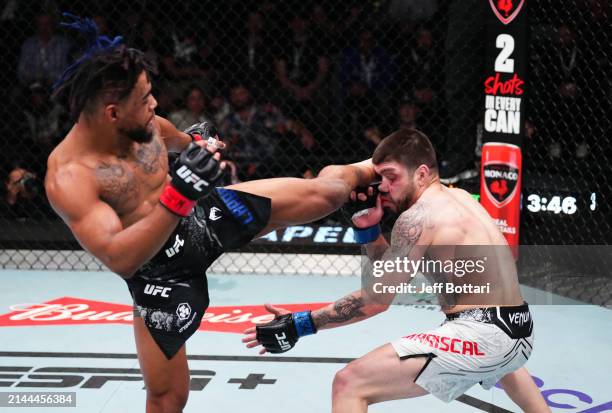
(194, 174)
(352, 207)
(369, 234)
(201, 131)
(282, 333)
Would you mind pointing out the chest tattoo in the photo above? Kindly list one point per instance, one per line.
(118, 185)
(148, 157)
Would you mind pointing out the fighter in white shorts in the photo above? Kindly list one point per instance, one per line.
(488, 332)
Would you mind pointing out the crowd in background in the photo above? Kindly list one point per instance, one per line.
(293, 86)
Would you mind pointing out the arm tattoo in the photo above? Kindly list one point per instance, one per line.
(407, 230)
(344, 309)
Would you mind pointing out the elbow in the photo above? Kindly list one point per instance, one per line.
(124, 269)
(126, 274)
(121, 257)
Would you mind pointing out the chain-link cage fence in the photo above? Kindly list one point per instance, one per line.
(294, 86)
(568, 149)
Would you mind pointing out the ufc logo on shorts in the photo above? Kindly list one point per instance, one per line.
(189, 177)
(284, 344)
(157, 290)
(178, 243)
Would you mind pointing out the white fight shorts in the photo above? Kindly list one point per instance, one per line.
(474, 346)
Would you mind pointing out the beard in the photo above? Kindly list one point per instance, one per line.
(138, 134)
(404, 204)
(400, 205)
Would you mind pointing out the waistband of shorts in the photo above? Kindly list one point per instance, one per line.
(486, 315)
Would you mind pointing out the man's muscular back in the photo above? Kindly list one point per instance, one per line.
(462, 229)
(460, 220)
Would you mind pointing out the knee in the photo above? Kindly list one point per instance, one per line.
(172, 401)
(346, 382)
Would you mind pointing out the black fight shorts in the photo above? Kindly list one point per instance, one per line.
(170, 292)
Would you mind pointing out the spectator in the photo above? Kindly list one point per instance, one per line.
(250, 52)
(463, 69)
(21, 199)
(597, 37)
(263, 143)
(563, 73)
(181, 58)
(421, 79)
(231, 174)
(220, 109)
(372, 136)
(323, 28)
(9, 47)
(45, 55)
(419, 66)
(251, 133)
(149, 41)
(366, 67)
(188, 58)
(195, 111)
(352, 21)
(541, 155)
(301, 69)
(411, 11)
(165, 104)
(366, 75)
(44, 122)
(566, 55)
(407, 114)
(574, 92)
(302, 155)
(131, 17)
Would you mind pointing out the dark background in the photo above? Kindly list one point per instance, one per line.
(323, 82)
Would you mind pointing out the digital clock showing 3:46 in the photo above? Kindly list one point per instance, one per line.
(560, 204)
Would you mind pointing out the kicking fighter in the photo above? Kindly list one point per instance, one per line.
(109, 181)
(488, 333)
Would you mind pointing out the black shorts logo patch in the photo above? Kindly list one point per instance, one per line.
(516, 322)
(183, 311)
(176, 247)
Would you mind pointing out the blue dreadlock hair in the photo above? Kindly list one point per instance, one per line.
(107, 70)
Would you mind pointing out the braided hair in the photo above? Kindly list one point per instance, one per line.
(105, 73)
